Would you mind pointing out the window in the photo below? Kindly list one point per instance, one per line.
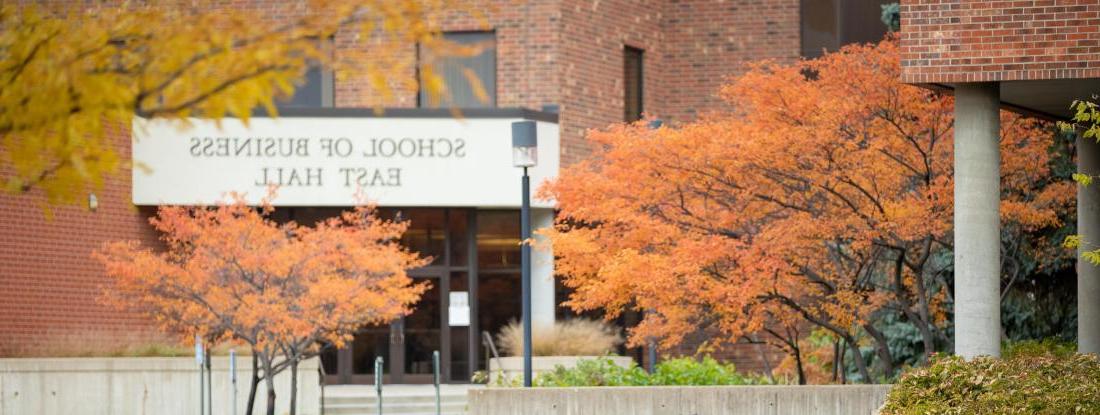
(453, 69)
(316, 89)
(632, 84)
(827, 25)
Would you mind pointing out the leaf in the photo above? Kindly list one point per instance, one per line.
(1083, 179)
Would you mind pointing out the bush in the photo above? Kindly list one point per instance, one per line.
(1038, 348)
(682, 371)
(1033, 379)
(575, 337)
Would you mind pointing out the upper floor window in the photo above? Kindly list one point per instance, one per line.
(315, 90)
(632, 83)
(827, 25)
(455, 69)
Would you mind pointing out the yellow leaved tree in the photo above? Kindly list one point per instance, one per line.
(1086, 118)
(73, 77)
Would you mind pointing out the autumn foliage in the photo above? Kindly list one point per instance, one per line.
(231, 273)
(823, 202)
(73, 75)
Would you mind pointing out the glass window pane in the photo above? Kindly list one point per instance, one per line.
(819, 31)
(861, 21)
(453, 70)
(307, 94)
(309, 216)
(369, 344)
(422, 332)
(632, 84)
(329, 360)
(498, 239)
(498, 303)
(425, 234)
(459, 243)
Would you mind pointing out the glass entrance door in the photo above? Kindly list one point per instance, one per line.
(421, 333)
(407, 345)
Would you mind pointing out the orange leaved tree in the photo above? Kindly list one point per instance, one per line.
(230, 273)
(823, 201)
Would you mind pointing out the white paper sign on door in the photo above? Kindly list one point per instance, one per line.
(458, 313)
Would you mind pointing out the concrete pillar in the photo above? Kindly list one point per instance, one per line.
(1088, 226)
(543, 301)
(977, 220)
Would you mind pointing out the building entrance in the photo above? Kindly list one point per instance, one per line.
(455, 310)
(405, 346)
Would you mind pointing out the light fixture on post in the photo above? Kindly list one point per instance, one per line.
(525, 154)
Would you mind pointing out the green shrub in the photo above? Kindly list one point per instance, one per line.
(675, 372)
(1038, 348)
(1032, 380)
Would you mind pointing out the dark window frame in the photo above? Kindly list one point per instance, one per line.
(633, 58)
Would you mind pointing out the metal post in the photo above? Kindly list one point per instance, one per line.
(378, 381)
(435, 379)
(233, 380)
(199, 357)
(209, 384)
(651, 343)
(525, 261)
(202, 391)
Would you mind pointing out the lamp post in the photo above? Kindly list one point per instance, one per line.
(651, 344)
(525, 154)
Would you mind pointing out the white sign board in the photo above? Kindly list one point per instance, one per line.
(327, 161)
(458, 311)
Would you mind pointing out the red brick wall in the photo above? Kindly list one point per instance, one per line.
(976, 40)
(590, 64)
(48, 281)
(565, 52)
(706, 42)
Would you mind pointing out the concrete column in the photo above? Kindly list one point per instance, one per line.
(977, 220)
(542, 273)
(1088, 226)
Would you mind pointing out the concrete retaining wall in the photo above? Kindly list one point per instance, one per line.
(511, 367)
(681, 400)
(140, 385)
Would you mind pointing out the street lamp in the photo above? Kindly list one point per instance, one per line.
(650, 343)
(525, 154)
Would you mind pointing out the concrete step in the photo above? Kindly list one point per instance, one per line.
(413, 408)
(393, 399)
(396, 399)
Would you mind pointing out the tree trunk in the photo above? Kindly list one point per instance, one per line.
(798, 364)
(860, 364)
(294, 387)
(269, 380)
(255, 383)
(843, 367)
(836, 361)
(882, 349)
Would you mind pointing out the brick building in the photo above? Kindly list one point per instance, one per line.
(1029, 56)
(568, 65)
